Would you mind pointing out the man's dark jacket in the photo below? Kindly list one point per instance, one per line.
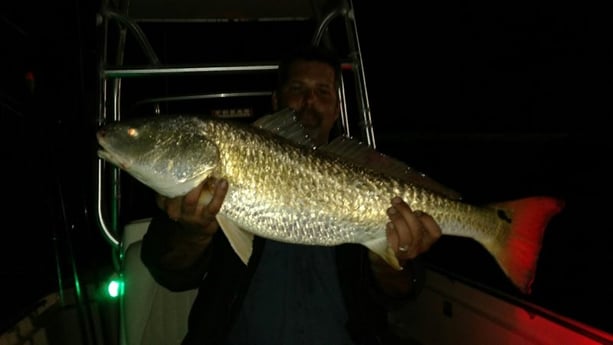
(223, 279)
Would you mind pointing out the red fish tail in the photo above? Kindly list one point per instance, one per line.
(519, 250)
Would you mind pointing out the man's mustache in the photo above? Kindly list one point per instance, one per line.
(308, 111)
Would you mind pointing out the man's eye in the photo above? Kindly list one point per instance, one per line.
(324, 92)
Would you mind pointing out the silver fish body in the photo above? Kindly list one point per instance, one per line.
(298, 194)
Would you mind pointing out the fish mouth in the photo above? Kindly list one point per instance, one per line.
(109, 156)
(114, 159)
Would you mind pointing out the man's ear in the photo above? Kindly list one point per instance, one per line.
(338, 109)
(275, 101)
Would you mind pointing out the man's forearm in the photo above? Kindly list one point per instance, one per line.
(176, 257)
(185, 248)
(394, 283)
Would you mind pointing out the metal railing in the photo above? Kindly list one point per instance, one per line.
(111, 91)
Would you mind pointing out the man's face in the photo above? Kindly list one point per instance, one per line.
(311, 92)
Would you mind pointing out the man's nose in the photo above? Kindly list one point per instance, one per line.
(309, 96)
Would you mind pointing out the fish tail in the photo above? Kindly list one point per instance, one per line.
(517, 253)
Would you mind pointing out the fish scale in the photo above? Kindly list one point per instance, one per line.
(331, 213)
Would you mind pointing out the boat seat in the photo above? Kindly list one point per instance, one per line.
(150, 314)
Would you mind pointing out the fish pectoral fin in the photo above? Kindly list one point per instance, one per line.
(240, 240)
(381, 247)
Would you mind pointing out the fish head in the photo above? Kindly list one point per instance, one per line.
(171, 155)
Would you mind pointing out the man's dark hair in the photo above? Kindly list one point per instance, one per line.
(309, 53)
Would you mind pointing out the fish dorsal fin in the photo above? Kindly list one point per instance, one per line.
(363, 155)
(285, 124)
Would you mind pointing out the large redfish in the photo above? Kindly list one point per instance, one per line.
(283, 188)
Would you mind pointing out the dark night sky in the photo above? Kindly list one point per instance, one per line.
(496, 102)
(501, 103)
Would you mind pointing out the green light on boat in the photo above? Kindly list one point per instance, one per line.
(114, 287)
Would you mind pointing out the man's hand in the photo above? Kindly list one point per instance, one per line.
(197, 209)
(409, 233)
(195, 212)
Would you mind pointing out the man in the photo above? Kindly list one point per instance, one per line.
(287, 293)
